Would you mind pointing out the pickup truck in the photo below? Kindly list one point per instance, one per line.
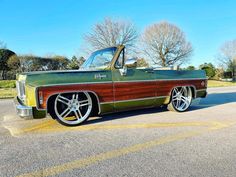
(106, 83)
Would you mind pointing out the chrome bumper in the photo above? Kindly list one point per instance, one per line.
(22, 110)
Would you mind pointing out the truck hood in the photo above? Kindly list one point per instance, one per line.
(46, 78)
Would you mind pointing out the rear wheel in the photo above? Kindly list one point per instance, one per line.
(181, 98)
(71, 109)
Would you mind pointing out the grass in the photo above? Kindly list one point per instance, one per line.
(214, 83)
(7, 89)
(7, 84)
(7, 93)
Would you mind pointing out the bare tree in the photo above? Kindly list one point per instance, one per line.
(165, 44)
(228, 57)
(111, 33)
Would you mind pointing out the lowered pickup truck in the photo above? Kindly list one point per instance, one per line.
(105, 83)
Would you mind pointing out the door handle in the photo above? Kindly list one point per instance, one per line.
(149, 71)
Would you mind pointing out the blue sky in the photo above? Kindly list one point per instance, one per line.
(57, 26)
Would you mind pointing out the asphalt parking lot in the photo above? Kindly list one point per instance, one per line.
(150, 142)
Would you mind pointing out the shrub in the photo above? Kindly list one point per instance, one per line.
(7, 84)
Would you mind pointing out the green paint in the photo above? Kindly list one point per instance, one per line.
(69, 77)
(38, 79)
(133, 104)
(65, 77)
(201, 93)
(107, 108)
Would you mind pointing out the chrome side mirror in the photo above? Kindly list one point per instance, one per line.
(123, 71)
(131, 63)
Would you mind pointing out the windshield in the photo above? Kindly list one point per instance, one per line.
(100, 59)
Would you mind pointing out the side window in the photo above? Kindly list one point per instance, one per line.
(120, 61)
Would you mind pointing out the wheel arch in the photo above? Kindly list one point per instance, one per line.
(192, 87)
(191, 93)
(95, 100)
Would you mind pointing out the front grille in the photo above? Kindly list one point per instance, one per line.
(20, 86)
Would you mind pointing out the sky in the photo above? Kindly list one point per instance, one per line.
(48, 27)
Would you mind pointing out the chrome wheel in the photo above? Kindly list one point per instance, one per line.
(72, 108)
(181, 98)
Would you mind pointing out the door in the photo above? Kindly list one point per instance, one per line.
(132, 87)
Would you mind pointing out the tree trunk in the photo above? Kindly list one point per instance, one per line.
(4, 75)
(234, 73)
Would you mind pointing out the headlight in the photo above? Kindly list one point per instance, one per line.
(20, 86)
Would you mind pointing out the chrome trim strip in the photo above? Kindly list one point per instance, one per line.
(108, 82)
(161, 80)
(37, 105)
(84, 83)
(200, 90)
(182, 79)
(138, 99)
(135, 81)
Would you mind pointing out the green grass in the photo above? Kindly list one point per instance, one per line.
(7, 93)
(7, 83)
(7, 89)
(214, 83)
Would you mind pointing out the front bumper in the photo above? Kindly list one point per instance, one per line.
(22, 110)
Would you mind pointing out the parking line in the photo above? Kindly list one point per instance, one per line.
(54, 170)
(50, 126)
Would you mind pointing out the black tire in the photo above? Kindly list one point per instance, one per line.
(188, 95)
(54, 113)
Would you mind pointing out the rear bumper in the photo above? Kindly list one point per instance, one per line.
(22, 110)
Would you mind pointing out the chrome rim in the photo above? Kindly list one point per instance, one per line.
(73, 108)
(181, 98)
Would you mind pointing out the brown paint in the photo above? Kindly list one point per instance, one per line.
(122, 90)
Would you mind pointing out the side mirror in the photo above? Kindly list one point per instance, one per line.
(123, 71)
(131, 63)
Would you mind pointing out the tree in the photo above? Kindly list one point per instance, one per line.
(27, 63)
(141, 62)
(219, 73)
(14, 66)
(209, 69)
(14, 63)
(5, 54)
(111, 33)
(228, 57)
(190, 68)
(75, 63)
(165, 44)
(61, 61)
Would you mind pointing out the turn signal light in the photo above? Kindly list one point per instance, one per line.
(40, 97)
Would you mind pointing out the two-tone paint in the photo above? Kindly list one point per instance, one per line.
(113, 91)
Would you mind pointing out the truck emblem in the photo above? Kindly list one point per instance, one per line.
(100, 76)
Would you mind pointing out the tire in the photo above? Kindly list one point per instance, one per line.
(181, 99)
(71, 109)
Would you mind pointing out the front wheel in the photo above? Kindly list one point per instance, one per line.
(71, 109)
(181, 98)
